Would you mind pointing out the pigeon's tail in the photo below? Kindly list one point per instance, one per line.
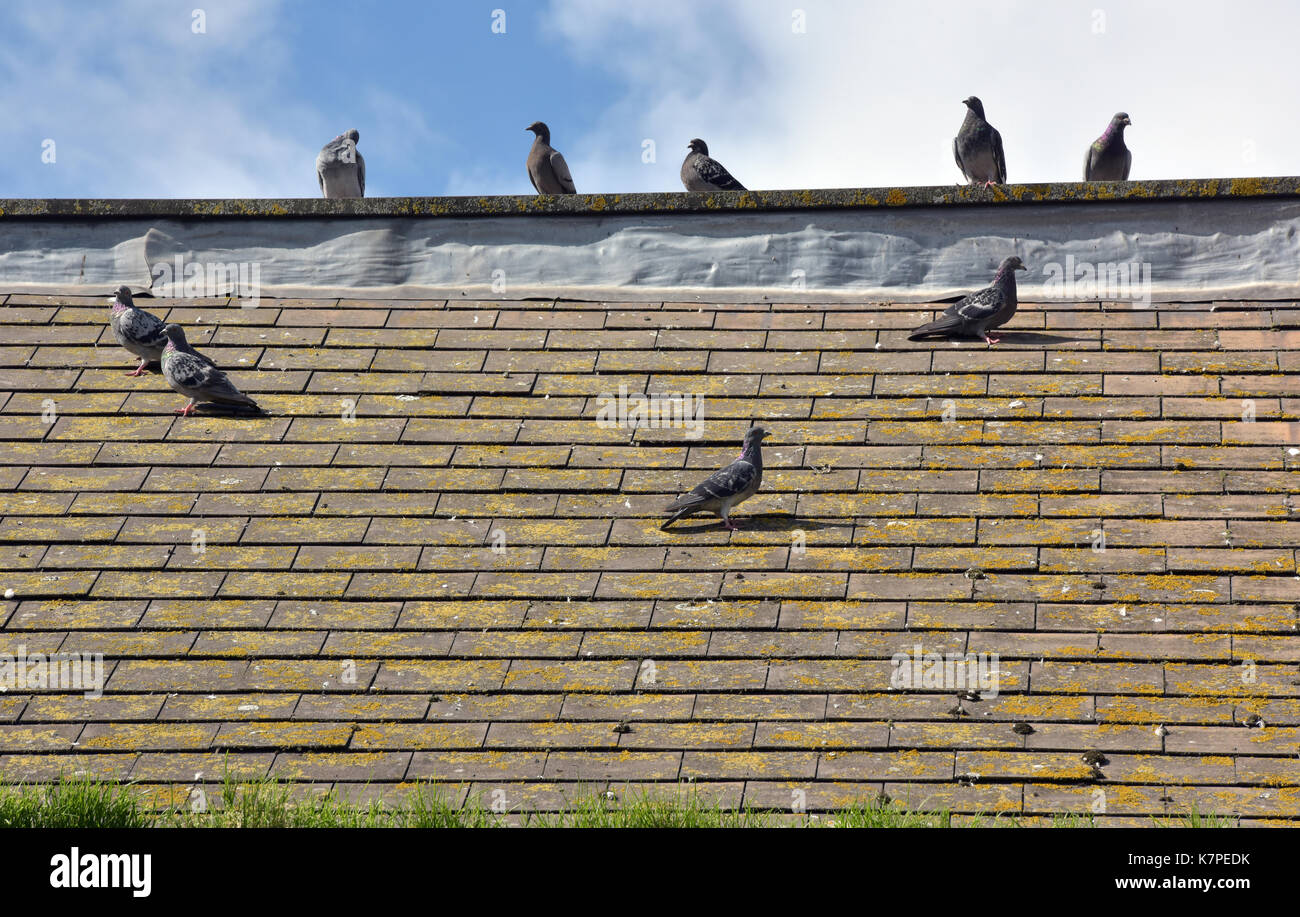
(246, 404)
(949, 324)
(682, 506)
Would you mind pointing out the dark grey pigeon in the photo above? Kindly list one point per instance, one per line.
(547, 169)
(1108, 159)
(193, 375)
(138, 331)
(976, 314)
(727, 487)
(701, 172)
(340, 169)
(978, 147)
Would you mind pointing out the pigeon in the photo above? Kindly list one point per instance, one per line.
(701, 172)
(192, 374)
(138, 331)
(978, 147)
(1108, 159)
(974, 315)
(340, 169)
(547, 169)
(727, 487)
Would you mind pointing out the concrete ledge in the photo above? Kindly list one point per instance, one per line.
(662, 202)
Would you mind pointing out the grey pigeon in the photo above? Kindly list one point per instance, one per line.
(547, 169)
(192, 374)
(727, 487)
(340, 169)
(701, 172)
(1108, 159)
(138, 331)
(978, 147)
(974, 315)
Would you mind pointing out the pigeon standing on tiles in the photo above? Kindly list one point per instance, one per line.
(193, 375)
(138, 331)
(340, 169)
(727, 487)
(1108, 159)
(976, 314)
(701, 172)
(978, 147)
(547, 169)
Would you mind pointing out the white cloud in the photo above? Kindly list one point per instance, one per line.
(137, 104)
(871, 94)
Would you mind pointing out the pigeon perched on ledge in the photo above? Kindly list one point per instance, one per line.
(727, 487)
(547, 169)
(193, 375)
(701, 172)
(138, 331)
(1108, 159)
(340, 169)
(976, 314)
(978, 147)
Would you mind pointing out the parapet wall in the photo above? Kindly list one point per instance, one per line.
(1196, 240)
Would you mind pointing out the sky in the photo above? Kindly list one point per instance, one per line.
(234, 98)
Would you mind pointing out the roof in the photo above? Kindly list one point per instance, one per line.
(1105, 500)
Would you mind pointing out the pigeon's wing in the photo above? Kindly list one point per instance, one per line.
(1128, 163)
(561, 169)
(721, 485)
(361, 173)
(188, 370)
(979, 307)
(965, 315)
(143, 328)
(716, 174)
(998, 157)
(956, 154)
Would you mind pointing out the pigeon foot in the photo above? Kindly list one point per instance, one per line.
(139, 371)
(991, 340)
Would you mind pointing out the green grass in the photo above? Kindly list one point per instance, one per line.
(79, 803)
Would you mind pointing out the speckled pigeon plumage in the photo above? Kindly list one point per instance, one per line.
(976, 314)
(138, 331)
(701, 172)
(340, 168)
(547, 169)
(978, 147)
(727, 487)
(1108, 159)
(193, 375)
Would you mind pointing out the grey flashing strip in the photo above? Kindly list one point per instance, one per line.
(1127, 242)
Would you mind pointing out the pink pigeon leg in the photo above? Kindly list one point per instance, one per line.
(991, 340)
(139, 370)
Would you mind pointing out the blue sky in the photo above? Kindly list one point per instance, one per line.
(865, 94)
